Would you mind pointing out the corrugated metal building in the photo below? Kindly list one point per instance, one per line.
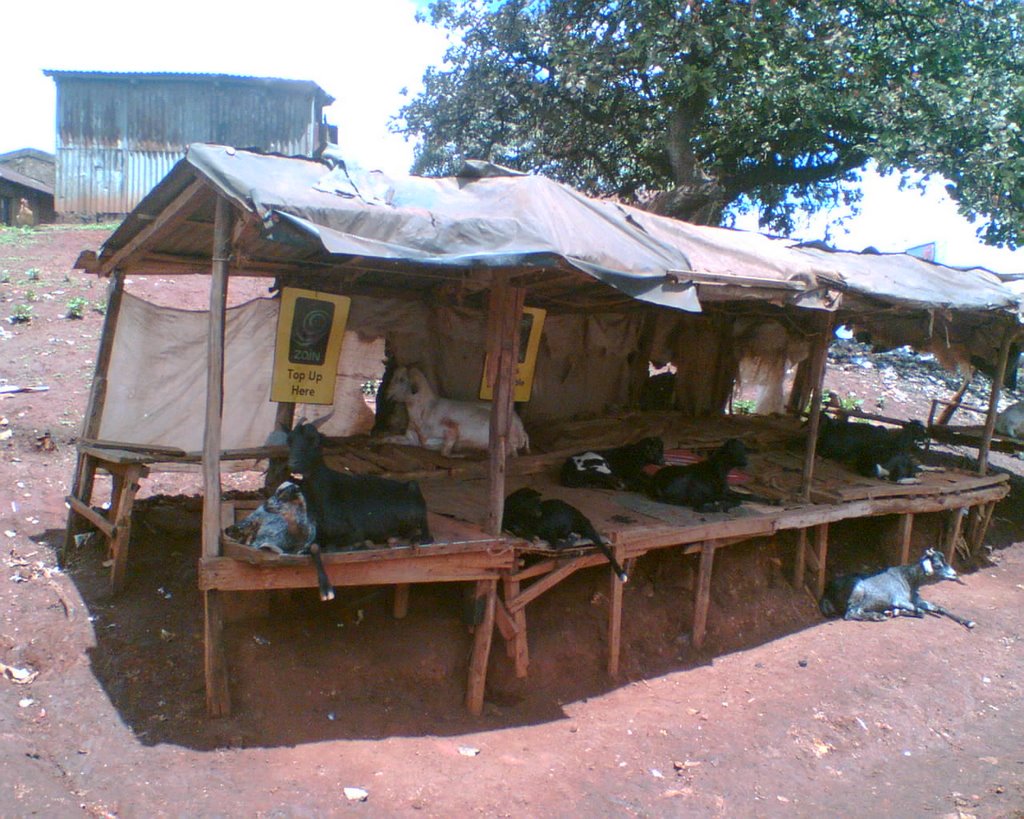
(119, 134)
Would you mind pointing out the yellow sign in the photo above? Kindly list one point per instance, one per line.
(310, 329)
(530, 328)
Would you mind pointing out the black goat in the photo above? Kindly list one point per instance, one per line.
(617, 468)
(704, 486)
(874, 451)
(557, 522)
(283, 524)
(869, 596)
(350, 510)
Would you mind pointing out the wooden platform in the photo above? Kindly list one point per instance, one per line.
(456, 490)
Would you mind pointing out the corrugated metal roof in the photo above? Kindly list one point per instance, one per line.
(172, 76)
(26, 181)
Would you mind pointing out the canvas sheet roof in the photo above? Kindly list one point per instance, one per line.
(490, 216)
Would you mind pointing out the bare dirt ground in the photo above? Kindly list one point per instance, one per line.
(781, 713)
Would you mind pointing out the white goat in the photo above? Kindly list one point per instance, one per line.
(444, 423)
(1011, 421)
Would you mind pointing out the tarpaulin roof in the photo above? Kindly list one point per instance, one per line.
(492, 217)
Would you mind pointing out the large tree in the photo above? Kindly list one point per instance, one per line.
(697, 106)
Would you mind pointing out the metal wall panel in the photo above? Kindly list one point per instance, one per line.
(118, 136)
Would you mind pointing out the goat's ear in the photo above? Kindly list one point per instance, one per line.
(926, 564)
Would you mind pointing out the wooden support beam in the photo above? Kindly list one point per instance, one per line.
(401, 600)
(954, 520)
(482, 636)
(615, 615)
(993, 399)
(820, 558)
(800, 559)
(218, 701)
(170, 216)
(517, 647)
(504, 314)
(702, 595)
(85, 466)
(91, 515)
(905, 532)
(817, 376)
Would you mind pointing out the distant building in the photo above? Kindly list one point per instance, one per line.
(26, 187)
(119, 134)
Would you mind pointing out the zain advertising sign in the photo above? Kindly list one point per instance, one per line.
(310, 329)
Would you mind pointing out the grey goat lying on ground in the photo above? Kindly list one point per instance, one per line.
(282, 524)
(870, 596)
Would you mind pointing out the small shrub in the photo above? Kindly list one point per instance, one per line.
(371, 387)
(5, 277)
(32, 274)
(30, 295)
(22, 314)
(743, 406)
(100, 307)
(76, 307)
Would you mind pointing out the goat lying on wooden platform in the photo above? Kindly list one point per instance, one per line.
(444, 423)
(870, 596)
(621, 467)
(704, 486)
(350, 510)
(282, 524)
(555, 521)
(874, 451)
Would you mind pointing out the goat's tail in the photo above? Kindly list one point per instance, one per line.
(588, 531)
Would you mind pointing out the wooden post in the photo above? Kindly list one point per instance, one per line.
(906, 530)
(401, 600)
(702, 598)
(488, 589)
(817, 376)
(518, 647)
(993, 400)
(505, 310)
(85, 466)
(800, 560)
(821, 557)
(615, 615)
(954, 522)
(218, 701)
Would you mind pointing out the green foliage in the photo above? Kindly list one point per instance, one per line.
(15, 235)
(76, 307)
(743, 406)
(32, 274)
(726, 104)
(5, 277)
(21, 314)
(30, 295)
(849, 402)
(100, 307)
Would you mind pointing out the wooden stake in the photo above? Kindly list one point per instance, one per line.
(817, 376)
(615, 615)
(954, 523)
(218, 702)
(800, 560)
(993, 400)
(517, 648)
(488, 589)
(506, 308)
(401, 600)
(821, 557)
(702, 599)
(906, 530)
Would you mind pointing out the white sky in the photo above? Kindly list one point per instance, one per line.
(362, 53)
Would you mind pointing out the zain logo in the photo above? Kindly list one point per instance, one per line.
(311, 330)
